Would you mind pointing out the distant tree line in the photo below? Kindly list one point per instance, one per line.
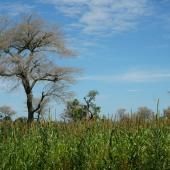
(142, 113)
(87, 110)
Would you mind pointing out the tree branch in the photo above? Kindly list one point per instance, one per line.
(46, 77)
(43, 95)
(7, 74)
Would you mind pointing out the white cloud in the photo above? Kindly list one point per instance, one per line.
(14, 9)
(131, 76)
(103, 16)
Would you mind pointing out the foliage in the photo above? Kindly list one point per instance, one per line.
(85, 145)
(75, 110)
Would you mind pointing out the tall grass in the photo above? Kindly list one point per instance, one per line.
(90, 145)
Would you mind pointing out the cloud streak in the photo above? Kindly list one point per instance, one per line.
(132, 76)
(103, 16)
(134, 90)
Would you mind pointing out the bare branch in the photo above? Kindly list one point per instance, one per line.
(43, 95)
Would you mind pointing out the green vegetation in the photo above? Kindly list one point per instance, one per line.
(96, 144)
(75, 110)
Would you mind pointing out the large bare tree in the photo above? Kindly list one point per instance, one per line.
(26, 47)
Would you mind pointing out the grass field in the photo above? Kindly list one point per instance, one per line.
(88, 145)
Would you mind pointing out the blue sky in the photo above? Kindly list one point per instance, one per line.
(123, 47)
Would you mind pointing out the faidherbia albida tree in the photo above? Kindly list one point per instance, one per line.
(26, 47)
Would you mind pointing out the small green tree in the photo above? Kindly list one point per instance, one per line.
(75, 110)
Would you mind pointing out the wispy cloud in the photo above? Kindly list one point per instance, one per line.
(131, 76)
(103, 16)
(134, 90)
(15, 8)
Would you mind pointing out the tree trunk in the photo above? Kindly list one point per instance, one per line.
(30, 107)
(28, 91)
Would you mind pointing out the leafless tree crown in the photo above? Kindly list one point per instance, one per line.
(24, 56)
